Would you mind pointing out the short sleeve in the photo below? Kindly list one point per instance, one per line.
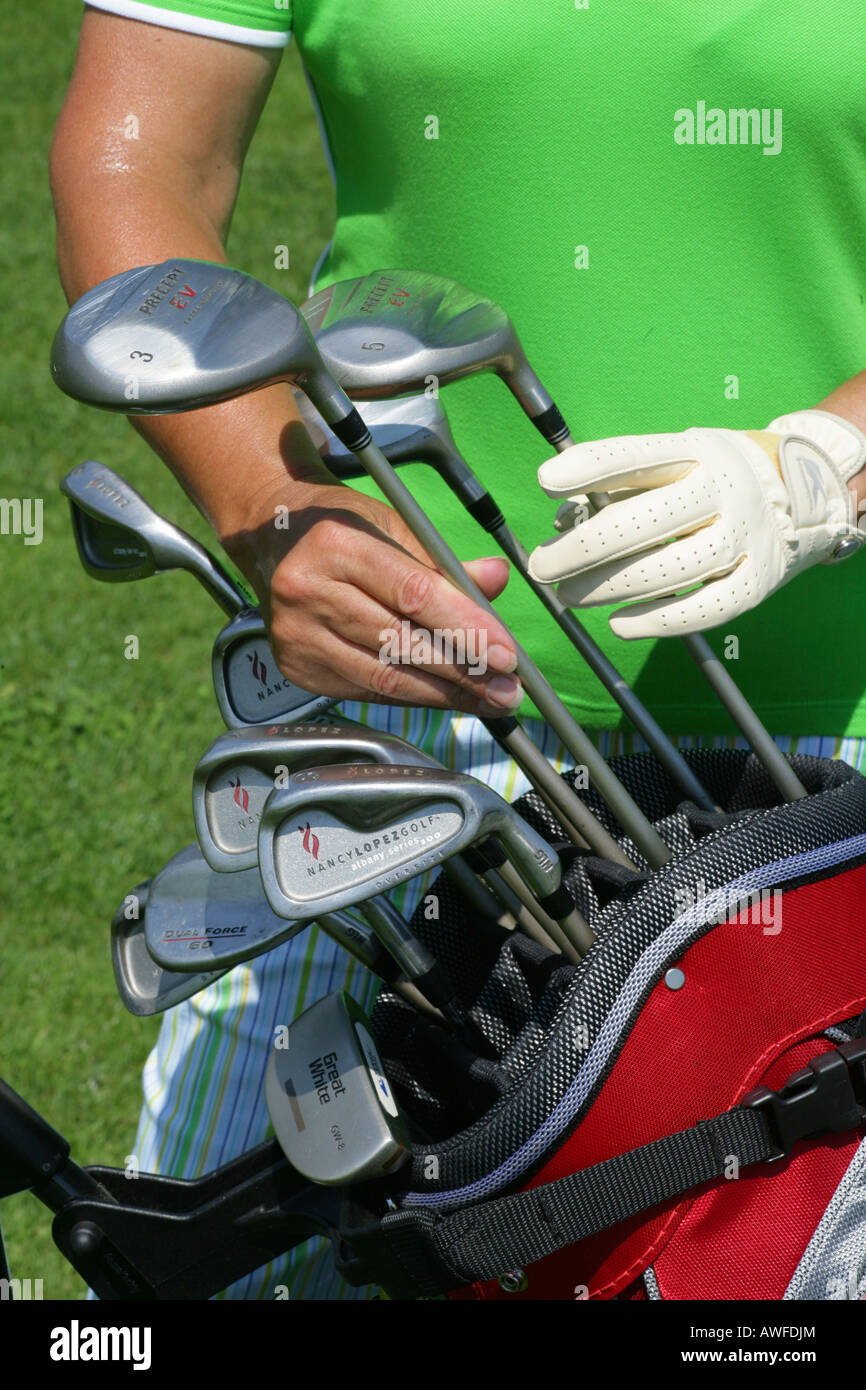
(262, 23)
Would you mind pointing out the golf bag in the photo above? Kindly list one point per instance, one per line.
(679, 1116)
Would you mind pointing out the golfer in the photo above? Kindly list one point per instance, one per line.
(670, 202)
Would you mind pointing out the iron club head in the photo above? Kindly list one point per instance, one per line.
(234, 778)
(145, 987)
(198, 918)
(334, 836)
(121, 538)
(248, 684)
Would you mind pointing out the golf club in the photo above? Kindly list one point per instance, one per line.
(334, 836)
(330, 1103)
(120, 538)
(415, 429)
(187, 334)
(147, 988)
(248, 684)
(196, 916)
(234, 778)
(389, 332)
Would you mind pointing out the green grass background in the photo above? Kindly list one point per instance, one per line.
(97, 751)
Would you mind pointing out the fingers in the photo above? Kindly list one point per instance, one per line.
(659, 573)
(348, 633)
(409, 589)
(490, 574)
(631, 460)
(708, 606)
(402, 588)
(622, 529)
(355, 615)
(403, 668)
(394, 682)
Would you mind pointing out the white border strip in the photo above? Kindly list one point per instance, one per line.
(662, 949)
(194, 24)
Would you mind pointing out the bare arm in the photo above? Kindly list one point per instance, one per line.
(849, 401)
(347, 568)
(190, 105)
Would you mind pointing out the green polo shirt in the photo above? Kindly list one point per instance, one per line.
(669, 200)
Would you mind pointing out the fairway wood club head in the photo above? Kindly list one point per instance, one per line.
(120, 538)
(334, 836)
(198, 919)
(237, 774)
(389, 332)
(184, 334)
(145, 987)
(248, 684)
(329, 1100)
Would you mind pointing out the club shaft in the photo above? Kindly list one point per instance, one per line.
(561, 801)
(731, 697)
(601, 665)
(526, 912)
(584, 752)
(523, 917)
(412, 995)
(407, 950)
(745, 718)
(220, 585)
(476, 892)
(332, 925)
(555, 932)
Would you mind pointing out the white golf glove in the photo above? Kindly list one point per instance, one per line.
(726, 515)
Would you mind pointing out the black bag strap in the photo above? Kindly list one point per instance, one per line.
(420, 1252)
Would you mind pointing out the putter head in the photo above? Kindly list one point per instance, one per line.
(330, 1102)
(145, 987)
(198, 919)
(335, 836)
(180, 335)
(235, 777)
(247, 681)
(121, 538)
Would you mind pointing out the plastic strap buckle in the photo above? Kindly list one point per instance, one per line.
(828, 1095)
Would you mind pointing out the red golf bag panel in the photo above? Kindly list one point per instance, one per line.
(748, 999)
(745, 1239)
